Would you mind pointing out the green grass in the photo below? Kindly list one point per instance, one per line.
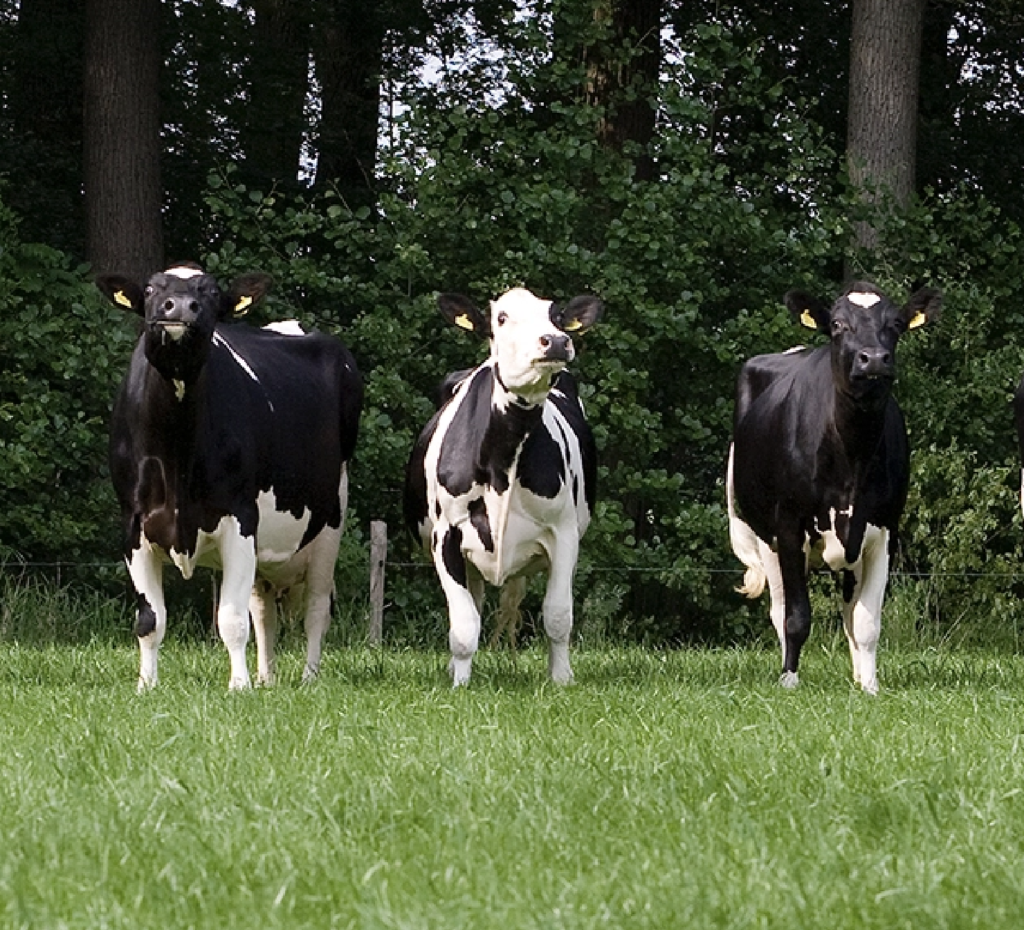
(679, 789)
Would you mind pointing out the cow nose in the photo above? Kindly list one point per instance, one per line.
(557, 347)
(874, 362)
(179, 308)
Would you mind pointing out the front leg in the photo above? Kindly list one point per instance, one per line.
(862, 609)
(145, 568)
(558, 607)
(463, 615)
(238, 556)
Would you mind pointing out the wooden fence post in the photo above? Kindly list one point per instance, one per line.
(378, 559)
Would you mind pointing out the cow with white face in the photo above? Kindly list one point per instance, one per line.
(819, 467)
(229, 448)
(501, 482)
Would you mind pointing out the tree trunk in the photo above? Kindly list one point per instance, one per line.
(121, 151)
(885, 56)
(348, 53)
(278, 83)
(622, 73)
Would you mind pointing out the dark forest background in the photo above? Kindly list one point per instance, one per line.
(687, 161)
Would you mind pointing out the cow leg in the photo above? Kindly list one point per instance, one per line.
(558, 609)
(862, 610)
(263, 610)
(463, 614)
(146, 571)
(320, 584)
(238, 553)
(797, 608)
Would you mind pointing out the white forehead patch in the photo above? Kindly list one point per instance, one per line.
(519, 301)
(863, 299)
(180, 271)
(286, 328)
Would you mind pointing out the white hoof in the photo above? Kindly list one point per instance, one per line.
(789, 680)
(460, 670)
(870, 687)
(238, 684)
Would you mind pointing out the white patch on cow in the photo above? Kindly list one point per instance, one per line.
(218, 339)
(180, 271)
(179, 389)
(286, 328)
(279, 532)
(794, 350)
(863, 299)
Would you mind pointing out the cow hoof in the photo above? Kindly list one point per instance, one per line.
(145, 684)
(238, 684)
(563, 677)
(460, 670)
(310, 674)
(870, 687)
(789, 680)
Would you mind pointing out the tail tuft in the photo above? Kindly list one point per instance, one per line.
(744, 543)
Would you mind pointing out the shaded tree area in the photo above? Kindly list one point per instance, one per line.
(685, 161)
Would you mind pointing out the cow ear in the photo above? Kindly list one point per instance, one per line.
(122, 292)
(578, 315)
(923, 307)
(810, 311)
(247, 291)
(462, 312)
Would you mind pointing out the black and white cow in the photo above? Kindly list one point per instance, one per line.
(229, 448)
(501, 482)
(819, 467)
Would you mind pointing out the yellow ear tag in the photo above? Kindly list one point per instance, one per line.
(244, 303)
(464, 322)
(808, 320)
(121, 298)
(573, 326)
(919, 319)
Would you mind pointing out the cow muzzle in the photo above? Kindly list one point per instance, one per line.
(873, 365)
(557, 348)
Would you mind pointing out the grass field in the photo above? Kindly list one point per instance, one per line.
(680, 789)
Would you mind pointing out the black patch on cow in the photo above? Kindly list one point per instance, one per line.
(451, 554)
(849, 585)
(145, 618)
(542, 466)
(481, 523)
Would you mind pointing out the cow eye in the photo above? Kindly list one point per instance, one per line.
(149, 290)
(838, 326)
(502, 318)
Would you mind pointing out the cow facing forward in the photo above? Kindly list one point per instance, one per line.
(229, 449)
(819, 467)
(501, 482)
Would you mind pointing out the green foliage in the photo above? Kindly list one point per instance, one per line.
(63, 351)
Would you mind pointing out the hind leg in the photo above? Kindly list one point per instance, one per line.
(263, 610)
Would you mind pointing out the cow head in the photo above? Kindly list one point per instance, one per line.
(864, 326)
(180, 308)
(530, 337)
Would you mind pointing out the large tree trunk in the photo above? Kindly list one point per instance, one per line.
(348, 53)
(885, 56)
(122, 136)
(278, 83)
(622, 71)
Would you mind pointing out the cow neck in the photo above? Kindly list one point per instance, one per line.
(860, 430)
(512, 419)
(172, 411)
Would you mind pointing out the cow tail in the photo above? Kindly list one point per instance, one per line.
(744, 543)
